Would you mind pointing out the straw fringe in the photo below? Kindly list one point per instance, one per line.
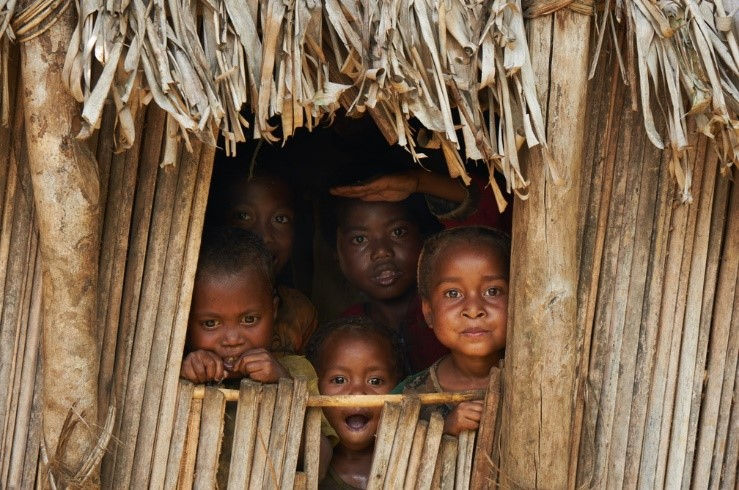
(685, 55)
(290, 61)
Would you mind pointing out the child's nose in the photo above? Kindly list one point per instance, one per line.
(381, 250)
(473, 309)
(232, 336)
(358, 388)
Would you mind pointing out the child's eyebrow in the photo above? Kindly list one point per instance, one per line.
(351, 228)
(493, 277)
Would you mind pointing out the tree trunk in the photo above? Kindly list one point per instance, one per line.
(542, 346)
(66, 194)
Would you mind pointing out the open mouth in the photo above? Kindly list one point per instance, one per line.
(229, 362)
(357, 421)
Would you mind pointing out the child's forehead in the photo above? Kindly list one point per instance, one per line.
(355, 210)
(262, 186)
(347, 336)
(248, 278)
(455, 251)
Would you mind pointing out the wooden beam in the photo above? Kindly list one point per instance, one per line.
(542, 345)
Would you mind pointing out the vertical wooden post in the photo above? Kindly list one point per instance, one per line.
(542, 346)
(66, 194)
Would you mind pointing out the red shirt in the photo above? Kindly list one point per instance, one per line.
(420, 346)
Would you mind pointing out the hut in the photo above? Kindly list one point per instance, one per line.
(614, 125)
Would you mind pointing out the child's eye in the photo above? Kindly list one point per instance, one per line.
(338, 380)
(210, 323)
(249, 319)
(358, 240)
(399, 232)
(243, 216)
(492, 292)
(282, 219)
(452, 293)
(376, 381)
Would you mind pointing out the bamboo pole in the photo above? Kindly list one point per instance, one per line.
(414, 460)
(430, 452)
(678, 445)
(386, 429)
(30, 464)
(65, 189)
(728, 398)
(668, 407)
(294, 433)
(402, 443)
(27, 380)
(140, 223)
(731, 462)
(166, 310)
(541, 352)
(145, 326)
(264, 423)
(115, 244)
(179, 436)
(721, 320)
(209, 444)
(716, 241)
(645, 358)
(177, 341)
(366, 400)
(482, 467)
(245, 431)
(312, 450)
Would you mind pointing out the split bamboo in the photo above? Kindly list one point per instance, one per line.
(278, 434)
(312, 447)
(414, 460)
(294, 433)
(179, 436)
(402, 443)
(483, 466)
(245, 430)
(386, 429)
(209, 444)
(430, 452)
(264, 423)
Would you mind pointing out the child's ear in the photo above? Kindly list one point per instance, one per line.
(426, 309)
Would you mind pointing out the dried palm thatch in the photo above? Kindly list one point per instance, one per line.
(682, 58)
(203, 61)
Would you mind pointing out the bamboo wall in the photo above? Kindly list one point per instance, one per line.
(657, 298)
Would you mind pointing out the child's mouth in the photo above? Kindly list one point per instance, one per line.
(356, 421)
(387, 277)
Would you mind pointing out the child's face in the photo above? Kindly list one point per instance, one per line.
(356, 364)
(231, 314)
(264, 206)
(468, 303)
(378, 247)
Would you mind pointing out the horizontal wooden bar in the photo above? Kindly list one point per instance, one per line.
(363, 400)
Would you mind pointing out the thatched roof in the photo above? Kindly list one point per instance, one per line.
(443, 62)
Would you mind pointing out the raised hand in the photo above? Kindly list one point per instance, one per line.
(201, 366)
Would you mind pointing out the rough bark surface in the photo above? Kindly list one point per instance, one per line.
(541, 353)
(66, 194)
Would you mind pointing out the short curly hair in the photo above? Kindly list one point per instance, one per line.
(436, 245)
(225, 251)
(360, 325)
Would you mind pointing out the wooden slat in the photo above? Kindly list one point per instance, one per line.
(482, 469)
(294, 433)
(209, 443)
(386, 430)
(464, 459)
(187, 466)
(278, 434)
(312, 447)
(177, 447)
(264, 423)
(402, 443)
(430, 452)
(245, 432)
(414, 460)
(448, 461)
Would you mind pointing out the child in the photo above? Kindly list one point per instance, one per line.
(463, 284)
(265, 205)
(232, 316)
(354, 356)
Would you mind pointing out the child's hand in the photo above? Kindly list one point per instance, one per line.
(260, 365)
(202, 366)
(465, 417)
(393, 187)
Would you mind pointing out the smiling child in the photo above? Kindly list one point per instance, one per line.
(463, 284)
(231, 322)
(354, 356)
